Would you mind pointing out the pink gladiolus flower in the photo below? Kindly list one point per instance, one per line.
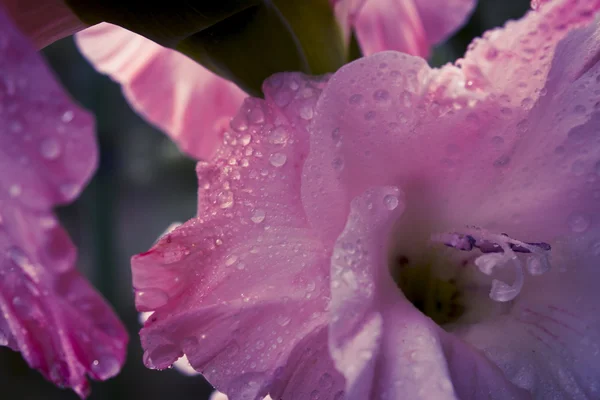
(48, 312)
(399, 231)
(187, 101)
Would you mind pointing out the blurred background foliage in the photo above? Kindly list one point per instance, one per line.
(143, 184)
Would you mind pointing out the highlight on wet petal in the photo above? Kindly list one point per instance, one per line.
(43, 22)
(409, 26)
(188, 102)
(49, 313)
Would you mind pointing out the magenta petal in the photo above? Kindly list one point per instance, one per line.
(188, 102)
(43, 22)
(242, 289)
(441, 18)
(49, 312)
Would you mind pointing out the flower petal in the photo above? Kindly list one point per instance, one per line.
(242, 289)
(43, 22)
(477, 127)
(391, 25)
(188, 102)
(383, 345)
(49, 312)
(409, 26)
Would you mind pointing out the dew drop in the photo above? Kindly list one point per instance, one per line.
(50, 149)
(315, 395)
(225, 199)
(258, 216)
(355, 99)
(381, 95)
(105, 367)
(69, 190)
(390, 201)
(370, 115)
(67, 116)
(579, 222)
(306, 112)
(277, 159)
(595, 248)
(245, 139)
(229, 261)
(257, 116)
(338, 164)
(326, 381)
(279, 135)
(15, 190)
(283, 320)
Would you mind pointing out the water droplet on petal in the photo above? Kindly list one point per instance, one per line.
(579, 222)
(225, 199)
(106, 367)
(229, 261)
(15, 190)
(279, 135)
(258, 216)
(69, 190)
(338, 164)
(355, 99)
(381, 95)
(283, 320)
(67, 116)
(277, 159)
(50, 149)
(390, 201)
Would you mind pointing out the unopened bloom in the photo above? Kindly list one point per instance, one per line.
(48, 312)
(397, 231)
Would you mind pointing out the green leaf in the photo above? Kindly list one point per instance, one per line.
(244, 41)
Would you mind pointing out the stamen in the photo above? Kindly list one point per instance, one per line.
(498, 250)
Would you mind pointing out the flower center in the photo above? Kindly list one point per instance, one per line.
(447, 284)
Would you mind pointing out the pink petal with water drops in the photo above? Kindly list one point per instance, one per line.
(43, 22)
(242, 289)
(408, 26)
(390, 110)
(188, 102)
(50, 314)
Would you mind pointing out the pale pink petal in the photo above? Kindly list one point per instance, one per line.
(185, 100)
(391, 25)
(413, 125)
(43, 22)
(50, 314)
(242, 289)
(409, 26)
(441, 18)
